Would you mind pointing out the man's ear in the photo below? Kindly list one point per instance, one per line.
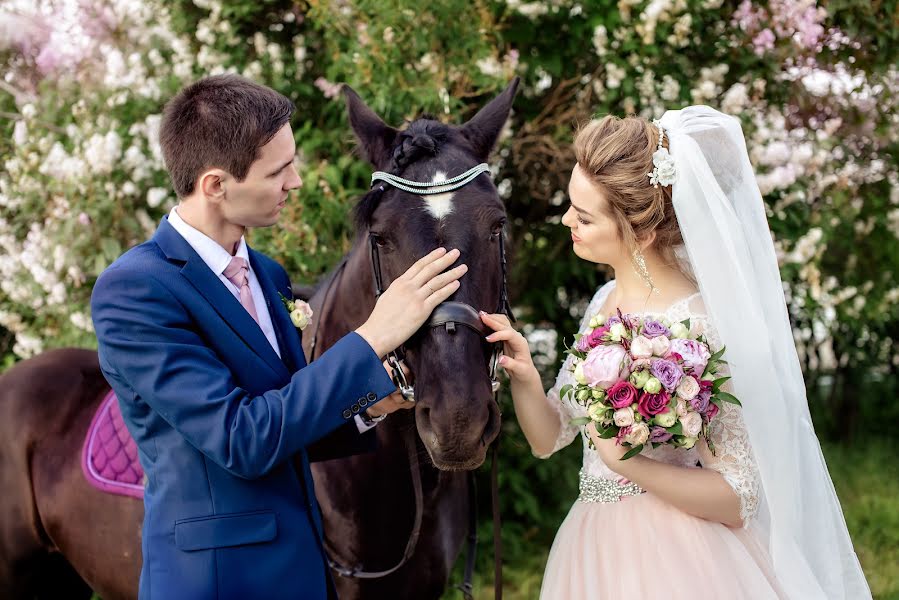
(212, 185)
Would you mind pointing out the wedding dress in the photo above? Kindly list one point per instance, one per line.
(639, 546)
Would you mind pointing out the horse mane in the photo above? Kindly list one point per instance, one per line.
(424, 137)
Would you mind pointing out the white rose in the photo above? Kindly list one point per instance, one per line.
(641, 347)
(687, 388)
(617, 332)
(697, 328)
(299, 318)
(692, 424)
(579, 374)
(681, 408)
(639, 434)
(624, 416)
(660, 345)
(679, 330)
(597, 321)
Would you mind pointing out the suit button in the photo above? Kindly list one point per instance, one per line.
(347, 414)
(355, 408)
(372, 397)
(363, 401)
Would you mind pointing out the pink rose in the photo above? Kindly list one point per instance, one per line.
(592, 339)
(606, 365)
(692, 424)
(649, 405)
(623, 417)
(694, 354)
(687, 388)
(622, 394)
(660, 345)
(711, 411)
(641, 347)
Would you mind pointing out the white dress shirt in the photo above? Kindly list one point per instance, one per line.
(217, 259)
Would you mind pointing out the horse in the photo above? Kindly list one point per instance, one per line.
(61, 537)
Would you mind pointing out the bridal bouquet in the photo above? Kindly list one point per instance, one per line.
(644, 380)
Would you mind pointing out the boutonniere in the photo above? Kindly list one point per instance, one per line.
(300, 312)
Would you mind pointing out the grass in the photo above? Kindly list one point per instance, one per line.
(866, 478)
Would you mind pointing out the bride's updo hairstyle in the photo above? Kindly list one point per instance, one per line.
(616, 156)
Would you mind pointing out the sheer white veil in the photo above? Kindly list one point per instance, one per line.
(731, 254)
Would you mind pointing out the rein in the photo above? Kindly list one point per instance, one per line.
(448, 315)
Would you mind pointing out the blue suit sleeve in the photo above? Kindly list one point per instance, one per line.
(148, 339)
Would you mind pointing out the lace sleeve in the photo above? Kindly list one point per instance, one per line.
(565, 410)
(733, 453)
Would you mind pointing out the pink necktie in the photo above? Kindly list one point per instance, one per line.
(236, 272)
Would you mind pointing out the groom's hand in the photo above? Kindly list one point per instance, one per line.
(410, 300)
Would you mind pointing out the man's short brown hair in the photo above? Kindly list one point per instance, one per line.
(219, 122)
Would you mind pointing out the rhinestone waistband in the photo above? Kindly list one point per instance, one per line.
(599, 489)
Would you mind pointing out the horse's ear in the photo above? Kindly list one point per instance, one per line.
(375, 136)
(483, 129)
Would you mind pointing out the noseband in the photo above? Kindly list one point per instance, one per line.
(446, 314)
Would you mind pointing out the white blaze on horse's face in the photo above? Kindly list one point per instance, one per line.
(439, 205)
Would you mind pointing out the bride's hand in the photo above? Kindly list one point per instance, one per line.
(516, 359)
(609, 450)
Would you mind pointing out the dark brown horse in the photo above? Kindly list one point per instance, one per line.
(60, 537)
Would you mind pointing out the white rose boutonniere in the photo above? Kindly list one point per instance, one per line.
(300, 312)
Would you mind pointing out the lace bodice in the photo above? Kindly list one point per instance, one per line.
(733, 455)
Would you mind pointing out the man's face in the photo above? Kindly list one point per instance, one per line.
(258, 199)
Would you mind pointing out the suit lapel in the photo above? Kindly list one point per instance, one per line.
(219, 297)
(288, 337)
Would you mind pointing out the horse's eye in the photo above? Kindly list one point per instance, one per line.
(379, 239)
(498, 229)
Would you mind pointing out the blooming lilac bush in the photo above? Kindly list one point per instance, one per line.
(84, 84)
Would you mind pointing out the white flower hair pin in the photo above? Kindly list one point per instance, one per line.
(664, 172)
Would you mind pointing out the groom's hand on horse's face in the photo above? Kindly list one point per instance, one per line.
(411, 299)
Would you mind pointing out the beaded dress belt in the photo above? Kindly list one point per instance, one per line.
(599, 489)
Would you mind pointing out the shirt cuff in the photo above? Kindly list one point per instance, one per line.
(362, 426)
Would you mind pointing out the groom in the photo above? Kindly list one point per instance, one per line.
(209, 370)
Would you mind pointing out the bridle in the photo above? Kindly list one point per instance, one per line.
(449, 315)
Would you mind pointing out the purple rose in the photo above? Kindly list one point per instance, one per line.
(712, 411)
(649, 405)
(660, 435)
(700, 402)
(694, 354)
(591, 340)
(612, 320)
(667, 372)
(606, 365)
(653, 329)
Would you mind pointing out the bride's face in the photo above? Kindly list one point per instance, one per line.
(594, 232)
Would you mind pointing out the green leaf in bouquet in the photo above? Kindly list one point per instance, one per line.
(608, 432)
(728, 398)
(676, 429)
(716, 384)
(632, 452)
(581, 421)
(566, 389)
(717, 355)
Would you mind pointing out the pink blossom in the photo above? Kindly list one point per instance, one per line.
(763, 41)
(605, 366)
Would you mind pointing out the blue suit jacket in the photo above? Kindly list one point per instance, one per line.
(220, 422)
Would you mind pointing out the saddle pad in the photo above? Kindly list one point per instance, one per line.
(109, 455)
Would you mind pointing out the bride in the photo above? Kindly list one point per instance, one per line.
(673, 208)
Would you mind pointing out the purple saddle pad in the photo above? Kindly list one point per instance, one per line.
(109, 455)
